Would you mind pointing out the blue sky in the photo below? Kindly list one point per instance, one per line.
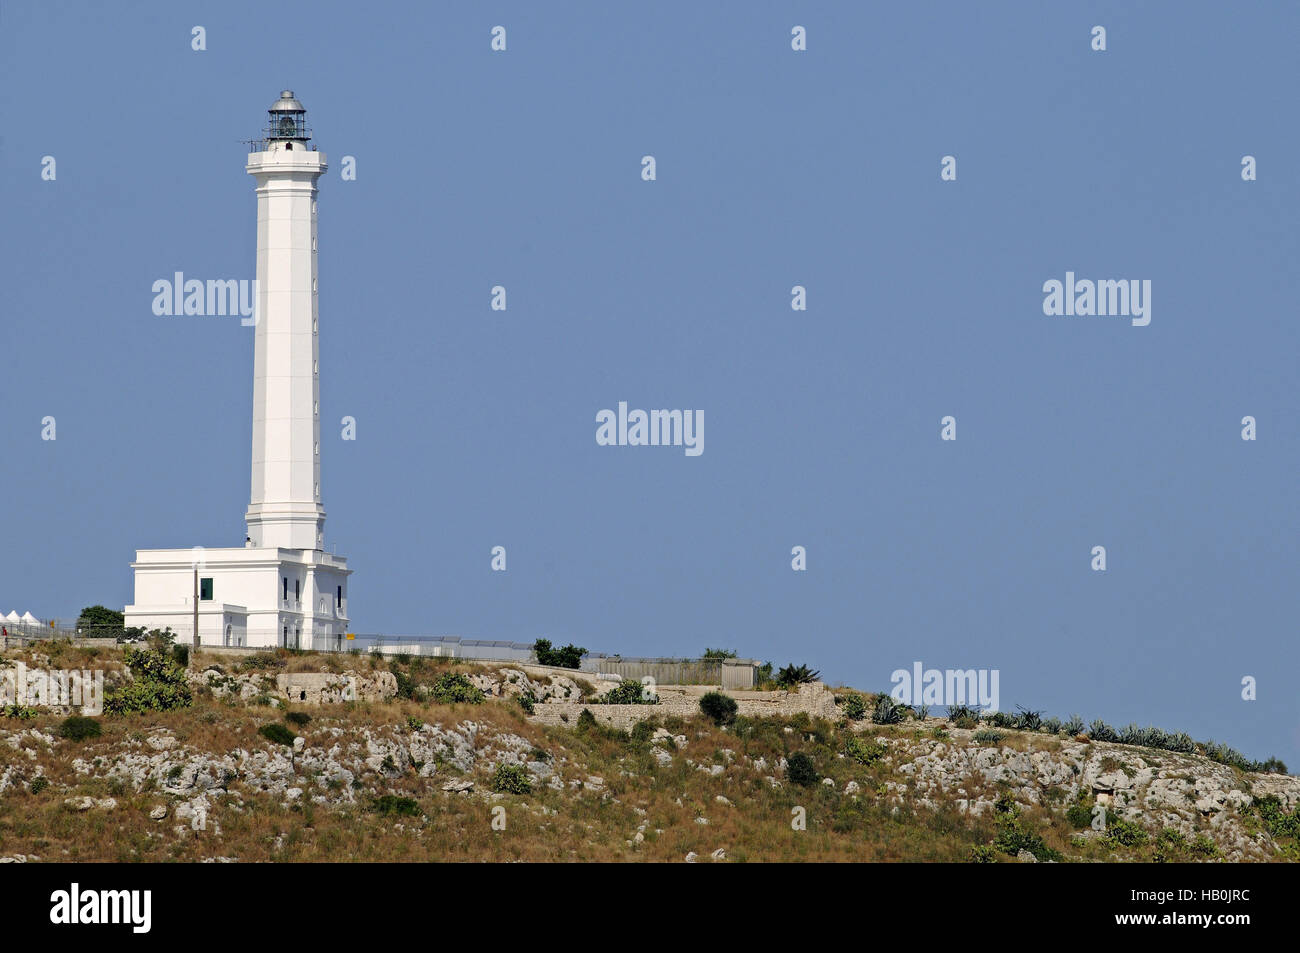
(476, 428)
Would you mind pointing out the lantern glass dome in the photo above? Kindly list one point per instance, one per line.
(288, 119)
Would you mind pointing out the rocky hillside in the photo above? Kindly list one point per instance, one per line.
(441, 761)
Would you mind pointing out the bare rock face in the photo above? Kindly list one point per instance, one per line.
(328, 688)
(1155, 789)
(512, 682)
(244, 686)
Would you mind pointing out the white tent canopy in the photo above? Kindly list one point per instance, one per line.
(12, 617)
(30, 619)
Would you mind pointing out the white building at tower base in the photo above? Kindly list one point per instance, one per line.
(252, 596)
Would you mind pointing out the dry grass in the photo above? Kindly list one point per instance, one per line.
(591, 822)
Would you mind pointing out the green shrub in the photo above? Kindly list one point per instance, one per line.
(453, 687)
(98, 622)
(512, 779)
(39, 784)
(405, 684)
(801, 770)
(298, 718)
(864, 752)
(79, 728)
(1005, 803)
(158, 683)
(568, 657)
(719, 654)
(987, 736)
(586, 721)
(888, 710)
(526, 702)
(719, 708)
(627, 692)
(1122, 833)
(983, 854)
(1282, 825)
(1079, 814)
(181, 655)
(1012, 838)
(391, 805)
(853, 707)
(23, 712)
(277, 733)
(160, 640)
(261, 660)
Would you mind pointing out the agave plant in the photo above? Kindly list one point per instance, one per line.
(1052, 725)
(888, 711)
(1181, 743)
(922, 712)
(1001, 719)
(1157, 738)
(1029, 720)
(1073, 725)
(1100, 731)
(963, 716)
(1221, 753)
(1131, 734)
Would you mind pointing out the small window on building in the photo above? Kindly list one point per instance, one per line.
(205, 590)
(339, 596)
(297, 589)
(286, 588)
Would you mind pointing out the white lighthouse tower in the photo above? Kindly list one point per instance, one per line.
(284, 508)
(281, 587)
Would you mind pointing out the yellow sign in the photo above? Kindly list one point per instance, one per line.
(351, 635)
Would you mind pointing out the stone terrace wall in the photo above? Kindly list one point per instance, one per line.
(684, 701)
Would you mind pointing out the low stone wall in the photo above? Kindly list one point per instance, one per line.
(684, 701)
